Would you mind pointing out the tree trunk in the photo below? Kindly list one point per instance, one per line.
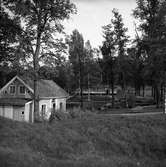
(124, 89)
(112, 83)
(112, 88)
(157, 96)
(164, 100)
(88, 88)
(36, 68)
(139, 90)
(135, 89)
(81, 81)
(161, 93)
(152, 91)
(143, 89)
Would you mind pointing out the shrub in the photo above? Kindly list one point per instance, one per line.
(131, 99)
(58, 115)
(78, 113)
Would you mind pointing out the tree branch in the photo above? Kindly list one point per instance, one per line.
(29, 42)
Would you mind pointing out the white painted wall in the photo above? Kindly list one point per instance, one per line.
(1, 111)
(63, 101)
(27, 112)
(8, 112)
(19, 113)
(48, 104)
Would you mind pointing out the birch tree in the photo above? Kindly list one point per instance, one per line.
(40, 20)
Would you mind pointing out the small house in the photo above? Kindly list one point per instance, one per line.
(16, 99)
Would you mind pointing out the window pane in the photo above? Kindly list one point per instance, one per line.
(22, 89)
(12, 89)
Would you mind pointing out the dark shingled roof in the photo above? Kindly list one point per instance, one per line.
(47, 88)
(13, 102)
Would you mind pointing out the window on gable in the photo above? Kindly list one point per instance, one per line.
(22, 90)
(12, 89)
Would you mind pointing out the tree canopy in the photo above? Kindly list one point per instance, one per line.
(39, 21)
(151, 14)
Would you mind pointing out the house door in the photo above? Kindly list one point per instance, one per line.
(43, 111)
(54, 106)
(61, 106)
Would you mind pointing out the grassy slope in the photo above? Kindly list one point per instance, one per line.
(93, 142)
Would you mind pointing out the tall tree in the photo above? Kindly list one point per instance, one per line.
(108, 52)
(114, 51)
(9, 32)
(121, 40)
(152, 17)
(136, 68)
(92, 70)
(40, 19)
(77, 58)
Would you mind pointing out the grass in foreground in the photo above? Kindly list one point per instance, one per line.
(89, 142)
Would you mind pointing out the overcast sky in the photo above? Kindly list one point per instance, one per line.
(93, 14)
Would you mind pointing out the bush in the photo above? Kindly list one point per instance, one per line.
(131, 99)
(78, 113)
(58, 115)
(71, 114)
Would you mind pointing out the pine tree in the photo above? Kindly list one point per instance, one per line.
(152, 14)
(114, 52)
(121, 40)
(77, 57)
(108, 52)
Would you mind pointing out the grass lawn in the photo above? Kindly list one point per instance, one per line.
(138, 109)
(96, 141)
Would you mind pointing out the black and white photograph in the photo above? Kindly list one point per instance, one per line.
(82, 83)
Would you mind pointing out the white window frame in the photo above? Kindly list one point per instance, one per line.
(14, 89)
(20, 91)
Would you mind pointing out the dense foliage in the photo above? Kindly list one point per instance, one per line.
(151, 14)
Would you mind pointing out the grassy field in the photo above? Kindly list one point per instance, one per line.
(96, 141)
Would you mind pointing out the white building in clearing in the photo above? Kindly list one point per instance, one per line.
(16, 99)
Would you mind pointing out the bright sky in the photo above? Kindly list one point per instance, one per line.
(93, 14)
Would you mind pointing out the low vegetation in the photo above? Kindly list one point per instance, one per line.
(92, 141)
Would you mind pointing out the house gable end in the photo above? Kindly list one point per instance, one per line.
(16, 88)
